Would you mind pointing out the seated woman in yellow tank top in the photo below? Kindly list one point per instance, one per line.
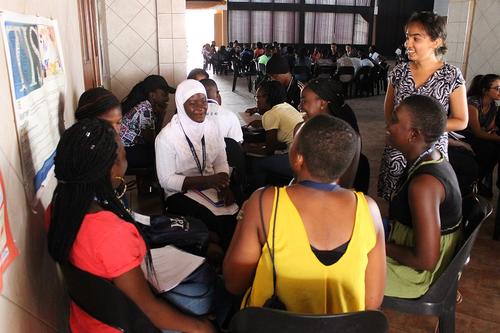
(328, 242)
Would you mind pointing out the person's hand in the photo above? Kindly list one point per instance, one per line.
(228, 197)
(252, 110)
(205, 326)
(219, 181)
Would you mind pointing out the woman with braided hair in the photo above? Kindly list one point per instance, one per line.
(93, 231)
(100, 103)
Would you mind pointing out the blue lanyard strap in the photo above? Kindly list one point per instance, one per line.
(201, 166)
(329, 187)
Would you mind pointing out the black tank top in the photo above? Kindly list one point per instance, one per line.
(450, 210)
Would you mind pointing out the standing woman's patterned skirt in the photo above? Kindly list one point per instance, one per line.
(393, 164)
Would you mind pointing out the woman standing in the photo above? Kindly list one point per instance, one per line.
(425, 74)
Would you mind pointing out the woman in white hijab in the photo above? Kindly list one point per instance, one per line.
(190, 158)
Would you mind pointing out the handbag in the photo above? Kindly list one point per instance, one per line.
(273, 302)
(184, 232)
(195, 294)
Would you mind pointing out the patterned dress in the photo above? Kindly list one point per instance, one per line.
(440, 86)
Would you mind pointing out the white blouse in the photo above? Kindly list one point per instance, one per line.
(175, 161)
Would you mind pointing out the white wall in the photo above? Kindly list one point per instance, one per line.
(473, 36)
(33, 298)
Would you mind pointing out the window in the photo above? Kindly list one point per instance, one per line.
(324, 21)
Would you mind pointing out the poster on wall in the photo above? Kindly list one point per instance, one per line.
(35, 64)
(8, 250)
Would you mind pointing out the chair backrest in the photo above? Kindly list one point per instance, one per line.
(105, 302)
(475, 211)
(265, 320)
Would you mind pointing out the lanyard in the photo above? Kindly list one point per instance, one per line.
(200, 166)
(320, 186)
(408, 172)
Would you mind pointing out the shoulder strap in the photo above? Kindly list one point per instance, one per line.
(271, 252)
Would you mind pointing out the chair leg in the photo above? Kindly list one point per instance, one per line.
(235, 77)
(447, 317)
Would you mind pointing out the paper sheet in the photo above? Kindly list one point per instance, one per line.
(172, 266)
(218, 211)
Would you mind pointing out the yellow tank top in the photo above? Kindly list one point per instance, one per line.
(303, 283)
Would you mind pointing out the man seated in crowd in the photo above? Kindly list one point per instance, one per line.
(373, 54)
(229, 125)
(350, 51)
(335, 53)
(263, 59)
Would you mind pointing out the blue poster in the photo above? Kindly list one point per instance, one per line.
(24, 48)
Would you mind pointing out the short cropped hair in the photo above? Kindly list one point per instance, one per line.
(427, 115)
(328, 145)
(274, 91)
(434, 25)
(197, 71)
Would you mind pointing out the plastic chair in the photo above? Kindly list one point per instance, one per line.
(345, 74)
(240, 70)
(105, 302)
(265, 320)
(440, 299)
(363, 82)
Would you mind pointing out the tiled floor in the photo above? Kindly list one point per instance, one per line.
(480, 283)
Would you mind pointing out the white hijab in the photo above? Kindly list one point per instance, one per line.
(184, 91)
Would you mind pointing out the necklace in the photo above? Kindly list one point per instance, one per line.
(329, 187)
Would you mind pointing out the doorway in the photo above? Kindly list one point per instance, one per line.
(199, 31)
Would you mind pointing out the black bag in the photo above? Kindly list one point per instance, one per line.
(186, 233)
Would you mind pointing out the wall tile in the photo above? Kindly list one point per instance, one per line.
(179, 25)
(166, 55)
(143, 2)
(153, 41)
(114, 24)
(146, 58)
(128, 41)
(180, 50)
(130, 74)
(126, 9)
(144, 24)
(116, 59)
(179, 6)
(164, 26)
(151, 7)
(180, 72)
(154, 71)
(164, 6)
(118, 89)
(167, 71)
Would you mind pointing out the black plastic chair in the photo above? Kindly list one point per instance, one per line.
(241, 70)
(363, 82)
(345, 74)
(265, 320)
(105, 302)
(440, 299)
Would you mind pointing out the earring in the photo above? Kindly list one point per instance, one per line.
(123, 185)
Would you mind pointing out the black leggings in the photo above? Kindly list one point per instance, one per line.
(223, 225)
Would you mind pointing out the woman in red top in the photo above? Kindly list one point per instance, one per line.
(92, 230)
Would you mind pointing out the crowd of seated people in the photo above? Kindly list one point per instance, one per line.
(302, 218)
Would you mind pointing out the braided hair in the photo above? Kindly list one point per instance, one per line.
(95, 102)
(84, 158)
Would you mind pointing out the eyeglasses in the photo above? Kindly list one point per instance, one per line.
(497, 88)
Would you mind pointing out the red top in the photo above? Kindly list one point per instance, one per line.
(108, 247)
